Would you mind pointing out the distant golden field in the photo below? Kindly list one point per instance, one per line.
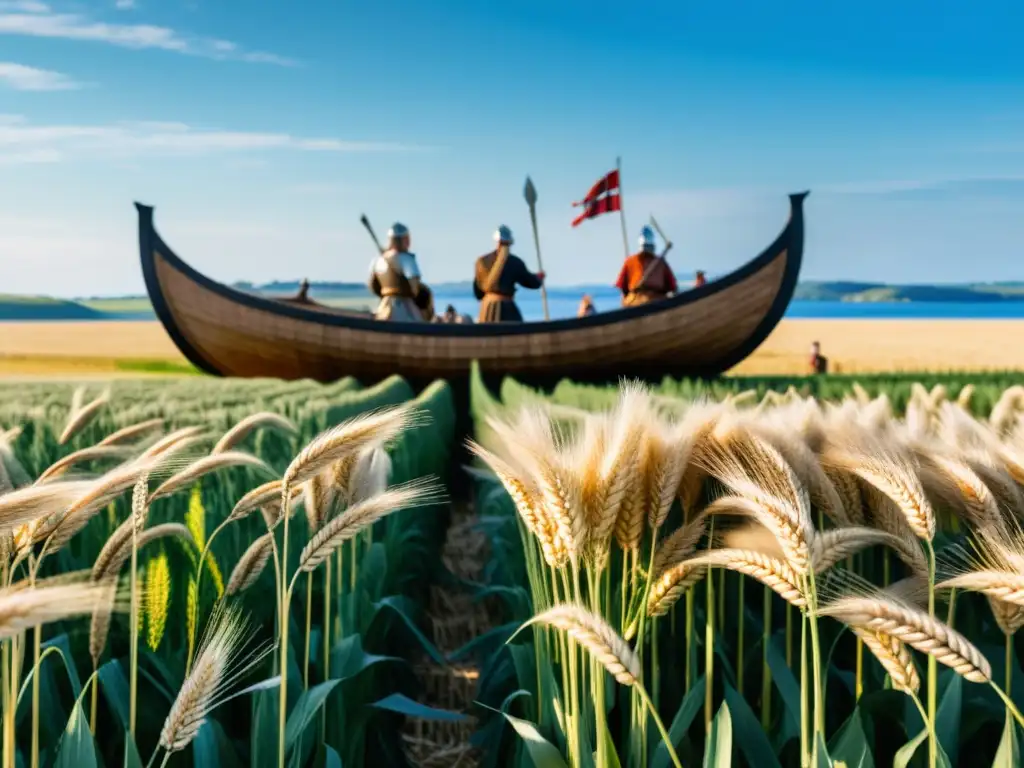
(852, 346)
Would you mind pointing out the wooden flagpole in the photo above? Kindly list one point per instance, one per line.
(622, 208)
(530, 193)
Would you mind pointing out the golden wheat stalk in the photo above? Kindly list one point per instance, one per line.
(674, 455)
(130, 432)
(894, 658)
(118, 549)
(616, 479)
(360, 516)
(218, 666)
(895, 477)
(978, 503)
(79, 418)
(187, 477)
(339, 476)
(773, 573)
(678, 545)
(831, 547)
(250, 565)
(671, 584)
(796, 464)
(882, 612)
(597, 637)
(92, 453)
(60, 528)
(28, 504)
(778, 517)
(99, 625)
(526, 497)
(172, 441)
(1009, 617)
(318, 501)
(23, 605)
(1005, 411)
(248, 425)
(848, 491)
(263, 496)
(352, 436)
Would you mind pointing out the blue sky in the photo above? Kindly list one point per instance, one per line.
(262, 130)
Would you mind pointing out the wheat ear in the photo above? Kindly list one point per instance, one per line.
(80, 418)
(358, 517)
(250, 565)
(352, 436)
(250, 424)
(880, 613)
(597, 636)
(671, 584)
(894, 658)
(118, 549)
(28, 504)
(830, 547)
(186, 477)
(770, 571)
(217, 667)
(529, 505)
(131, 431)
(92, 453)
(172, 441)
(23, 606)
(896, 478)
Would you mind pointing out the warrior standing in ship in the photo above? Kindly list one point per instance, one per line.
(496, 276)
(395, 278)
(645, 276)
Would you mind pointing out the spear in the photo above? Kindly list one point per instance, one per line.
(530, 193)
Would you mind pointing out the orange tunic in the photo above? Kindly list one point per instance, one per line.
(635, 290)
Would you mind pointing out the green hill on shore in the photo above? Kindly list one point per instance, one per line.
(28, 308)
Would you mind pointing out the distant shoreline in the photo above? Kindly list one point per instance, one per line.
(811, 299)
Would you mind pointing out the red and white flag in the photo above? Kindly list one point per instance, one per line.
(603, 197)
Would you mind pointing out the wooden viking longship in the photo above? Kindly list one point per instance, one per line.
(701, 332)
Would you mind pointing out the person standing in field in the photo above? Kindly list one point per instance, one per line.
(395, 278)
(645, 276)
(700, 279)
(819, 363)
(495, 279)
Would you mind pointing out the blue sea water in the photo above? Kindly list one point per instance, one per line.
(563, 303)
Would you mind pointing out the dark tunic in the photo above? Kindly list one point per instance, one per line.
(496, 293)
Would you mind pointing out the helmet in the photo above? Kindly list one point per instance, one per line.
(646, 238)
(503, 235)
(398, 230)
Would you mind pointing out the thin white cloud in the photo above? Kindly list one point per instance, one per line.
(727, 201)
(124, 5)
(23, 6)
(18, 136)
(33, 19)
(30, 157)
(24, 78)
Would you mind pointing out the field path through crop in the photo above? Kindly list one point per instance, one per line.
(456, 618)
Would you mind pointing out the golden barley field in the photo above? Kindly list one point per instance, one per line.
(852, 346)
